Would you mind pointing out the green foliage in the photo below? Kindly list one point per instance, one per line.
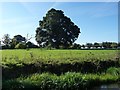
(114, 45)
(109, 45)
(31, 45)
(96, 45)
(20, 46)
(67, 81)
(113, 71)
(6, 40)
(56, 30)
(89, 45)
(17, 39)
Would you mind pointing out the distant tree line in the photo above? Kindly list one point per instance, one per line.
(20, 42)
(17, 42)
(103, 45)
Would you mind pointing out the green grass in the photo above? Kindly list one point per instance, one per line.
(58, 61)
(56, 56)
(59, 69)
(67, 81)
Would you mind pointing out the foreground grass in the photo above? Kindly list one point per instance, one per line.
(59, 69)
(67, 81)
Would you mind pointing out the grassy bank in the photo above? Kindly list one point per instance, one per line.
(59, 69)
(67, 81)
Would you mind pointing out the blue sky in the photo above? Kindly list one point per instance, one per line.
(98, 21)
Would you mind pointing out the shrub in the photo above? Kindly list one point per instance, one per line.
(20, 46)
(113, 71)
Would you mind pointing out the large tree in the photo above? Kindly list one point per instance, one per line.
(56, 30)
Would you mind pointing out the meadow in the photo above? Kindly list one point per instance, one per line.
(59, 69)
(57, 56)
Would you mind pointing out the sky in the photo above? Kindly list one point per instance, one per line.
(98, 21)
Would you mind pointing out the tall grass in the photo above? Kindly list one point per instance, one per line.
(67, 81)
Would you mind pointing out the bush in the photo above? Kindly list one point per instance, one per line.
(20, 46)
(31, 45)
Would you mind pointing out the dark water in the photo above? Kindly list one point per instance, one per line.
(115, 86)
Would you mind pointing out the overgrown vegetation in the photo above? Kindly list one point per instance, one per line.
(67, 81)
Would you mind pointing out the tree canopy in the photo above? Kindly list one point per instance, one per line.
(6, 39)
(56, 30)
(17, 39)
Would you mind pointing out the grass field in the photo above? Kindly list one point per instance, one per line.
(23, 66)
(57, 56)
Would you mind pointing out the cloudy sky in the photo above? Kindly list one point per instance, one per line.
(98, 21)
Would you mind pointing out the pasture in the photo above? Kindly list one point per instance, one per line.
(57, 56)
